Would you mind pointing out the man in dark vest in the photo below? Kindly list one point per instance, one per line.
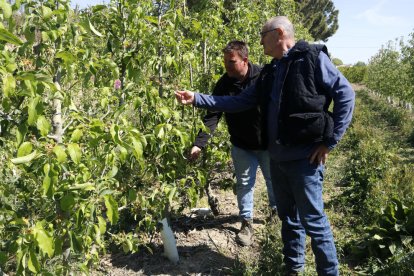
(295, 91)
(248, 148)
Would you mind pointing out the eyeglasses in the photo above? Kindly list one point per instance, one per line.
(265, 32)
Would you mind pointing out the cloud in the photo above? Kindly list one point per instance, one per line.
(375, 17)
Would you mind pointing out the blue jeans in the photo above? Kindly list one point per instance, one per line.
(245, 168)
(298, 190)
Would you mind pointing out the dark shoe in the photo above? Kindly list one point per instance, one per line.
(245, 235)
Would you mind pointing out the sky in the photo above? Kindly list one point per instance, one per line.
(364, 26)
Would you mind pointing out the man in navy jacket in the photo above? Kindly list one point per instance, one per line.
(295, 91)
(249, 149)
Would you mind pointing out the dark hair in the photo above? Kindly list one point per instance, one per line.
(237, 46)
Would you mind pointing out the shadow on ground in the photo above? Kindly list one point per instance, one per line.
(187, 223)
(194, 260)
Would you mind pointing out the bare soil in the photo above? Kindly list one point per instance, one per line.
(206, 244)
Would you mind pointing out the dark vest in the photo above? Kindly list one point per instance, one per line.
(303, 114)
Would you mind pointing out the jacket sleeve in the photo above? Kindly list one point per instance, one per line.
(210, 120)
(342, 94)
(245, 100)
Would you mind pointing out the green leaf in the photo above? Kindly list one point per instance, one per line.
(75, 153)
(11, 67)
(97, 8)
(45, 241)
(44, 78)
(132, 195)
(171, 194)
(58, 246)
(159, 131)
(377, 237)
(9, 85)
(67, 202)
(102, 225)
(76, 245)
(114, 130)
(66, 56)
(123, 153)
(165, 111)
(33, 264)
(29, 76)
(60, 153)
(152, 19)
(47, 186)
(127, 246)
(46, 12)
(111, 209)
(33, 111)
(94, 30)
(7, 9)
(76, 135)
(21, 260)
(24, 159)
(406, 240)
(7, 36)
(168, 60)
(45, 36)
(392, 248)
(84, 186)
(21, 133)
(43, 125)
(3, 257)
(113, 172)
(138, 149)
(24, 149)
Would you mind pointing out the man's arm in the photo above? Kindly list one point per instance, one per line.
(343, 97)
(243, 101)
(210, 120)
(342, 94)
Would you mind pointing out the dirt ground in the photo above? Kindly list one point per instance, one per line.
(206, 244)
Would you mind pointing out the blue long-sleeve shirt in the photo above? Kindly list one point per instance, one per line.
(326, 74)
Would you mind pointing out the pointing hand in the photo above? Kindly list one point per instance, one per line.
(185, 97)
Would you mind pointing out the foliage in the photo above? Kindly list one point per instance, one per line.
(337, 61)
(392, 233)
(93, 148)
(271, 257)
(354, 74)
(378, 186)
(390, 72)
(368, 165)
(375, 170)
(319, 17)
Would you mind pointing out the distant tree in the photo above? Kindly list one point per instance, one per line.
(319, 16)
(337, 61)
(360, 63)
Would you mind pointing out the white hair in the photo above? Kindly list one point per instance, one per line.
(282, 22)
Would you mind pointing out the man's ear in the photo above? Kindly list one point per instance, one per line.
(280, 32)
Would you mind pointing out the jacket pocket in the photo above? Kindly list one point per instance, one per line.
(303, 128)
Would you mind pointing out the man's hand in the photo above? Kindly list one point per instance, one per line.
(319, 155)
(185, 97)
(195, 153)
